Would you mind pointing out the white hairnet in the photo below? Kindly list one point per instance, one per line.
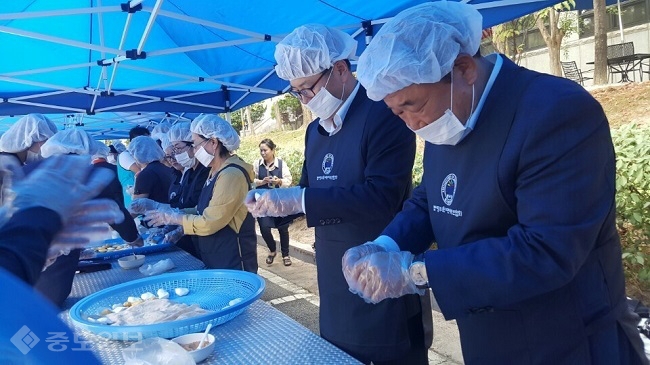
(26, 131)
(160, 130)
(419, 45)
(145, 150)
(211, 126)
(180, 132)
(98, 149)
(119, 146)
(311, 49)
(68, 141)
(165, 142)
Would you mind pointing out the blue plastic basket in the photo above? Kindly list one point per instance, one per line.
(210, 289)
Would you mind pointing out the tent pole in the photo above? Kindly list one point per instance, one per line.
(257, 84)
(216, 25)
(47, 85)
(126, 105)
(125, 31)
(183, 76)
(153, 87)
(42, 95)
(228, 118)
(216, 108)
(100, 20)
(203, 46)
(620, 21)
(49, 106)
(99, 82)
(49, 69)
(58, 40)
(147, 29)
(50, 13)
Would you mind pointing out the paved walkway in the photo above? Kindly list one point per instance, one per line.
(294, 291)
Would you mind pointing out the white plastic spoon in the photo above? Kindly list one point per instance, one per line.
(205, 336)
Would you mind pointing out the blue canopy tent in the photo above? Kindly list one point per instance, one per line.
(74, 57)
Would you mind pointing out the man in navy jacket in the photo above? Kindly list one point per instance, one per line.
(356, 174)
(518, 193)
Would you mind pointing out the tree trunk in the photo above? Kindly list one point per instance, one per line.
(278, 117)
(249, 120)
(600, 43)
(553, 38)
(307, 117)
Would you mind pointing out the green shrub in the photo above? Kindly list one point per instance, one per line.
(632, 144)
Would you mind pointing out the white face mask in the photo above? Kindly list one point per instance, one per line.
(446, 130)
(204, 157)
(324, 104)
(185, 160)
(111, 159)
(33, 156)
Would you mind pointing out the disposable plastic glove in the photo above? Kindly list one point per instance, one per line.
(381, 275)
(355, 254)
(174, 236)
(162, 218)
(88, 223)
(274, 202)
(139, 206)
(61, 184)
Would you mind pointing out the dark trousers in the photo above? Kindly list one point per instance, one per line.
(270, 241)
(187, 244)
(417, 354)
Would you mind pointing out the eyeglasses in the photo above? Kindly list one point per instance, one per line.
(186, 146)
(308, 92)
(196, 146)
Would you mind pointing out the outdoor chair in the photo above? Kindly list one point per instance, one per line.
(572, 72)
(623, 67)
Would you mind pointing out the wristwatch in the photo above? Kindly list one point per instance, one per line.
(418, 272)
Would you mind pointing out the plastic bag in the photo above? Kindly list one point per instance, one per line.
(156, 351)
(157, 268)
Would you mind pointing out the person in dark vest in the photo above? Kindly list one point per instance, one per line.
(189, 190)
(223, 230)
(272, 172)
(518, 193)
(356, 175)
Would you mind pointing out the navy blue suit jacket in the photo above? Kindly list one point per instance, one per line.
(529, 259)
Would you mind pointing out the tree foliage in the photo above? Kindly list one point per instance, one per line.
(238, 117)
(288, 112)
(554, 23)
(509, 38)
(633, 199)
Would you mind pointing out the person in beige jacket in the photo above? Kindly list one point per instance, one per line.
(221, 227)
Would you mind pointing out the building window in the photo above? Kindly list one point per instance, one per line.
(633, 12)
